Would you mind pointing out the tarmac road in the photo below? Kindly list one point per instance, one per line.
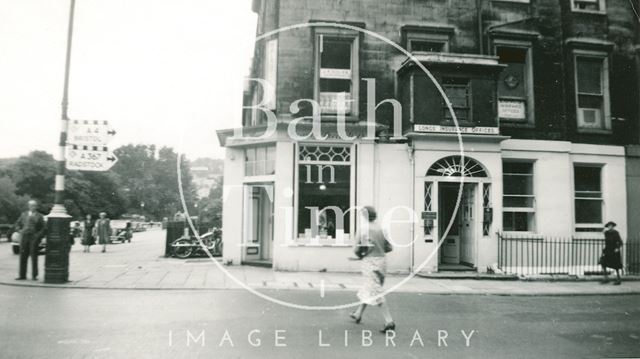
(109, 323)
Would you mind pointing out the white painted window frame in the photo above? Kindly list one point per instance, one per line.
(602, 7)
(606, 105)
(533, 209)
(319, 34)
(529, 78)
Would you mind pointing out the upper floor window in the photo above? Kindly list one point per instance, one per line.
(427, 38)
(515, 85)
(336, 86)
(260, 161)
(459, 93)
(588, 5)
(592, 91)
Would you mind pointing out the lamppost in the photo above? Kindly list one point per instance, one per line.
(56, 265)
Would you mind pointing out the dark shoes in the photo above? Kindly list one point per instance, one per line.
(34, 278)
(388, 327)
(617, 282)
(21, 278)
(355, 317)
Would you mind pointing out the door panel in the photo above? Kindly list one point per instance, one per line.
(467, 224)
(450, 249)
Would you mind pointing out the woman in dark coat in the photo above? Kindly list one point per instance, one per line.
(611, 253)
(87, 234)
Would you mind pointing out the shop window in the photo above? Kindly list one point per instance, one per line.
(260, 161)
(324, 191)
(337, 73)
(515, 88)
(459, 93)
(592, 92)
(588, 5)
(518, 198)
(588, 197)
(421, 39)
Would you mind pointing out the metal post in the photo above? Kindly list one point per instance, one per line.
(56, 268)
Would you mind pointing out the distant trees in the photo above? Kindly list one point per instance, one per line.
(144, 181)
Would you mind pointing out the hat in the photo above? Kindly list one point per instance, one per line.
(610, 223)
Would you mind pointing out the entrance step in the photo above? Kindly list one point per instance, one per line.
(258, 263)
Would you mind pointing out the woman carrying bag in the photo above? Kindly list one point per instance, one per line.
(371, 246)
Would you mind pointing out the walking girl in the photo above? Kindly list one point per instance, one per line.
(102, 230)
(371, 246)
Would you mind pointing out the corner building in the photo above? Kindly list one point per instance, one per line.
(545, 93)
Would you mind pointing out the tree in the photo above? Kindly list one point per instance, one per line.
(34, 176)
(11, 204)
(210, 207)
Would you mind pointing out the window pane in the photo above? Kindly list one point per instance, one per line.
(587, 179)
(589, 71)
(336, 53)
(588, 211)
(590, 101)
(426, 46)
(518, 184)
(517, 167)
(335, 85)
(518, 221)
(517, 201)
(322, 186)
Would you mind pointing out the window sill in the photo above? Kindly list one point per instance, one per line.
(592, 12)
(516, 124)
(594, 131)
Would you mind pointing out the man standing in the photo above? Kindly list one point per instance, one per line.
(31, 227)
(102, 230)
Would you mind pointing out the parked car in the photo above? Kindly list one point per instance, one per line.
(121, 231)
(15, 244)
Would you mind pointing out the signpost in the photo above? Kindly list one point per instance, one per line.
(87, 148)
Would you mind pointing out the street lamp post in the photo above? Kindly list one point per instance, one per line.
(56, 266)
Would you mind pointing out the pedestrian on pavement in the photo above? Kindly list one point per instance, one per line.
(611, 253)
(87, 234)
(102, 230)
(371, 246)
(32, 228)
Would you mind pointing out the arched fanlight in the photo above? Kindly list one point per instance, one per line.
(455, 166)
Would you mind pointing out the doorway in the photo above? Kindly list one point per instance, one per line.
(458, 250)
(258, 224)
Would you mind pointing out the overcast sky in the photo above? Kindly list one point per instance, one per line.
(150, 67)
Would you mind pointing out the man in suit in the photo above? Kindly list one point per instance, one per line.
(32, 228)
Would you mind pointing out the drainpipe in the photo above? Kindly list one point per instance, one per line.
(411, 151)
(479, 16)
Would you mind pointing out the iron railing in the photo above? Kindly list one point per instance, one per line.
(529, 255)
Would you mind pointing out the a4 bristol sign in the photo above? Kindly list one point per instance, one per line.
(87, 146)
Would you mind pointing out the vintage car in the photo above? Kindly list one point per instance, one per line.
(121, 231)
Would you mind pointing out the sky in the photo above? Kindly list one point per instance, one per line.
(164, 72)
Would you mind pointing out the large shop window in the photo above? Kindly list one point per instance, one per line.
(324, 192)
(459, 93)
(260, 161)
(515, 90)
(592, 92)
(337, 73)
(518, 199)
(588, 197)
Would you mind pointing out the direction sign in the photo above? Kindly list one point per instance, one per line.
(90, 158)
(91, 133)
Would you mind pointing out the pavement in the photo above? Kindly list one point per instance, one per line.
(142, 265)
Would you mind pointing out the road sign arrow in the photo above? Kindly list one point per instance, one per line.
(111, 132)
(90, 158)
